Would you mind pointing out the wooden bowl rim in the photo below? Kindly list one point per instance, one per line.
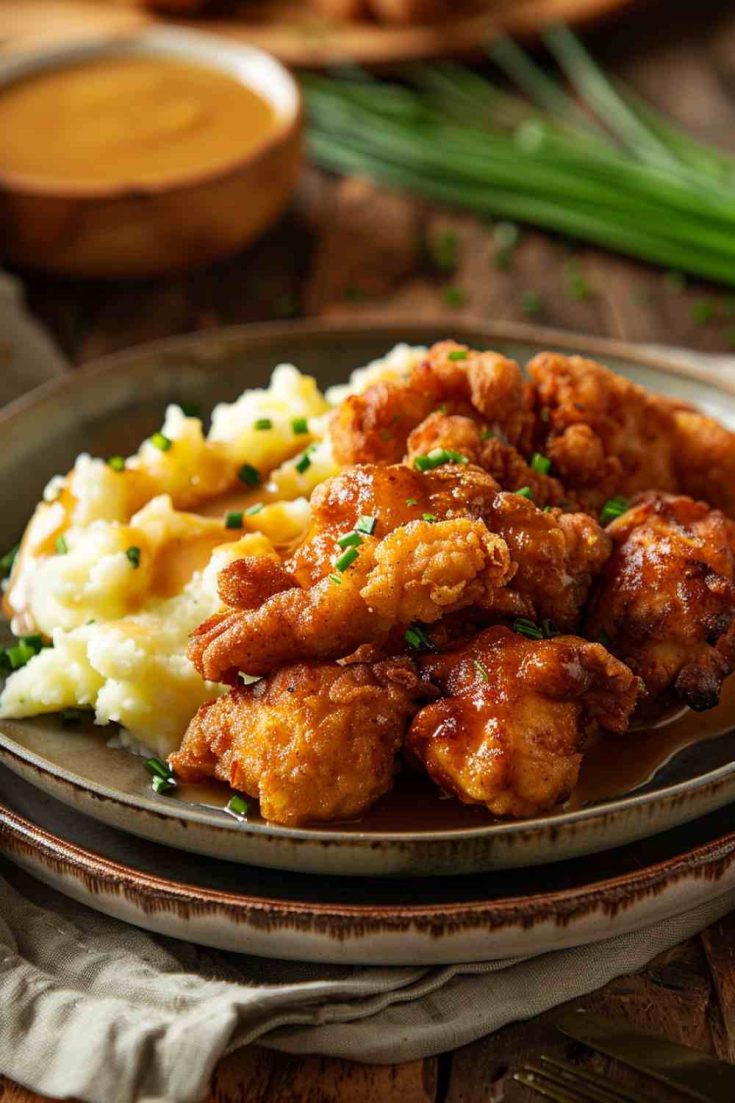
(48, 59)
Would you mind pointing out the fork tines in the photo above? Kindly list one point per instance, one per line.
(567, 1083)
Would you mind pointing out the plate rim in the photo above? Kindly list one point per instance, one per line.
(347, 329)
(609, 893)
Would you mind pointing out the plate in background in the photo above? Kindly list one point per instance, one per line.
(297, 36)
(99, 409)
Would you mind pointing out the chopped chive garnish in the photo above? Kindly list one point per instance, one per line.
(71, 716)
(441, 409)
(540, 463)
(430, 517)
(263, 423)
(613, 508)
(249, 475)
(158, 768)
(488, 434)
(300, 425)
(481, 670)
(603, 638)
(416, 638)
(525, 627)
(161, 442)
(237, 805)
(233, 519)
(531, 303)
(61, 545)
(550, 630)
(351, 540)
(252, 510)
(19, 654)
(525, 492)
(191, 409)
(454, 296)
(547, 509)
(162, 785)
(344, 561)
(133, 555)
(437, 457)
(442, 250)
(336, 579)
(303, 464)
(703, 311)
(459, 354)
(577, 285)
(117, 463)
(34, 642)
(7, 561)
(366, 524)
(412, 501)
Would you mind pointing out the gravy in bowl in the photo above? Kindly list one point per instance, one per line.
(127, 120)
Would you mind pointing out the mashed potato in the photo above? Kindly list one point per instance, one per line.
(119, 562)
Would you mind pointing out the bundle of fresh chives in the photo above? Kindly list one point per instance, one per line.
(604, 168)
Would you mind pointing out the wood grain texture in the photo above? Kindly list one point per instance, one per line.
(346, 248)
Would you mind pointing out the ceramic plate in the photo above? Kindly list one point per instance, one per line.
(101, 409)
(336, 919)
(299, 36)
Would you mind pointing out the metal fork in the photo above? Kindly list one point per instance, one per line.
(567, 1083)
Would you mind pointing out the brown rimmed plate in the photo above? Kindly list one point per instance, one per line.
(292, 32)
(334, 919)
(109, 407)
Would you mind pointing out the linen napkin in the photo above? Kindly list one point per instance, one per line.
(105, 1013)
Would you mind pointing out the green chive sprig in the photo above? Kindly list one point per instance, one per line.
(613, 507)
(609, 170)
(437, 457)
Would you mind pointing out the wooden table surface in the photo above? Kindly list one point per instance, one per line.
(346, 249)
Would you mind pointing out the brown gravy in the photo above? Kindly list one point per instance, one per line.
(128, 121)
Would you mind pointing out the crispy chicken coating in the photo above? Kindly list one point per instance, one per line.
(604, 435)
(439, 541)
(705, 459)
(316, 741)
(666, 600)
(510, 730)
(501, 460)
(373, 427)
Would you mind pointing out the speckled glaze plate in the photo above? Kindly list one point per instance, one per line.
(108, 407)
(302, 917)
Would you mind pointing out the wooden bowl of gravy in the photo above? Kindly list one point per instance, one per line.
(143, 155)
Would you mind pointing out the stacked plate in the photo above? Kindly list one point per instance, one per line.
(80, 816)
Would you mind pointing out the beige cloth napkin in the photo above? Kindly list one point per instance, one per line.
(102, 1012)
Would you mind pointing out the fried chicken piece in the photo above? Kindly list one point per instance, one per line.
(605, 435)
(439, 542)
(373, 427)
(385, 11)
(418, 572)
(704, 452)
(510, 730)
(315, 741)
(666, 600)
(502, 461)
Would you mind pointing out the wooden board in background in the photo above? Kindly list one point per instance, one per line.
(295, 34)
